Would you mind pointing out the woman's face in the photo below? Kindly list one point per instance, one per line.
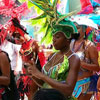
(80, 30)
(20, 39)
(59, 40)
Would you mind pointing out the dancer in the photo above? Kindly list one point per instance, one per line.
(88, 54)
(59, 73)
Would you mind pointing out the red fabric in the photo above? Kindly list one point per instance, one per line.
(25, 86)
(85, 3)
(24, 70)
(97, 96)
(98, 46)
(20, 32)
(88, 30)
(42, 58)
(10, 9)
(3, 35)
(6, 2)
(86, 7)
(1, 91)
(27, 45)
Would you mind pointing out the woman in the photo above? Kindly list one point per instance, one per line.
(4, 72)
(29, 50)
(59, 74)
(88, 54)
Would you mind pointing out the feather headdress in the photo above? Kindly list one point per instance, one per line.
(52, 20)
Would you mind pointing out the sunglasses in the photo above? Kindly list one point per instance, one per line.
(26, 52)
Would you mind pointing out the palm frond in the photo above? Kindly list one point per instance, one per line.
(55, 9)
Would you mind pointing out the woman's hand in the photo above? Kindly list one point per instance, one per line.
(82, 63)
(32, 70)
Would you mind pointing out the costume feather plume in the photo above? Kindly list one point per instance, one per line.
(48, 17)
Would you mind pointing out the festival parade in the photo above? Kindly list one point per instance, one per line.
(49, 49)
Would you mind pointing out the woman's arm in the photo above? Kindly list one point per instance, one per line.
(38, 81)
(71, 79)
(30, 70)
(5, 69)
(93, 56)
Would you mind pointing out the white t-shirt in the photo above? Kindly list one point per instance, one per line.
(13, 52)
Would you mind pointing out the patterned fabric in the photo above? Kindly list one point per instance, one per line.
(23, 85)
(86, 85)
(58, 72)
(1, 91)
(86, 7)
(81, 87)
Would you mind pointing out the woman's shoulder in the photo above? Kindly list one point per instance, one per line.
(2, 54)
(74, 57)
(74, 61)
(89, 43)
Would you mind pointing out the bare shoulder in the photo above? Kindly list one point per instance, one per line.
(3, 56)
(90, 44)
(75, 57)
(74, 61)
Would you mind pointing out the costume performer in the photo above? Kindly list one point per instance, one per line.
(29, 50)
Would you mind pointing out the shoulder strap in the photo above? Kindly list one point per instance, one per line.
(52, 56)
(71, 55)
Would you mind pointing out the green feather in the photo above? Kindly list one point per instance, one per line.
(30, 4)
(48, 38)
(39, 17)
(55, 8)
(64, 16)
(47, 17)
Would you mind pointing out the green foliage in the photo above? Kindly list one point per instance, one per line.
(21, 1)
(37, 22)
